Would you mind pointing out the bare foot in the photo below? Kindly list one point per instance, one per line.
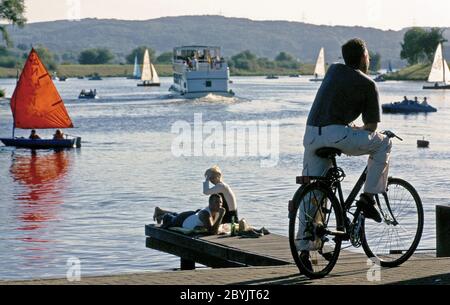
(157, 215)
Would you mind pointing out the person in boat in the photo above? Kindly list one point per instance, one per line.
(58, 135)
(214, 175)
(34, 135)
(416, 100)
(209, 218)
(425, 102)
(405, 99)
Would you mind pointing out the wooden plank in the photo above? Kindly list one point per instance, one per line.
(186, 254)
(220, 251)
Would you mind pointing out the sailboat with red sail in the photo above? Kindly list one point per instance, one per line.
(36, 104)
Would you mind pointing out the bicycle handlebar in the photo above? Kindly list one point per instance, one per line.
(391, 135)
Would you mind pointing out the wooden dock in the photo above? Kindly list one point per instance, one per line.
(220, 251)
(267, 260)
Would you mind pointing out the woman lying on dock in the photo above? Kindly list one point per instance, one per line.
(209, 218)
(214, 175)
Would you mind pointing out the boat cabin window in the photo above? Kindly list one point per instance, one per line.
(208, 83)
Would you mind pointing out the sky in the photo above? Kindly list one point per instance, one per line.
(383, 14)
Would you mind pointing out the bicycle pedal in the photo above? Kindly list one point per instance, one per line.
(337, 233)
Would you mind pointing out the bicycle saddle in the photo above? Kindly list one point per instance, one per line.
(328, 152)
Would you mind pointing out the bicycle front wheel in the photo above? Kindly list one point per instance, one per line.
(316, 215)
(394, 240)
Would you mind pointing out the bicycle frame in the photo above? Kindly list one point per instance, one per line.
(347, 203)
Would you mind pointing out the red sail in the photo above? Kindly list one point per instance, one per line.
(35, 103)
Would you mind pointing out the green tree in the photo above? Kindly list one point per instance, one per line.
(245, 60)
(375, 61)
(47, 57)
(97, 56)
(23, 47)
(11, 11)
(7, 58)
(283, 56)
(88, 57)
(139, 51)
(164, 58)
(104, 56)
(430, 42)
(419, 44)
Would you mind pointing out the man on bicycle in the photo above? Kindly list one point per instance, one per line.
(345, 94)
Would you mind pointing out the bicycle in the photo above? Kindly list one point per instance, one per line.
(319, 220)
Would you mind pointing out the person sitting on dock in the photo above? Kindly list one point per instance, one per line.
(34, 135)
(58, 135)
(214, 175)
(209, 218)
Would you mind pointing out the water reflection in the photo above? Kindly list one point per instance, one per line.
(39, 186)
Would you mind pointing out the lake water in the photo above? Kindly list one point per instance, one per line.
(92, 203)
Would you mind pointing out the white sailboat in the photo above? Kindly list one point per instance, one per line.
(149, 75)
(319, 71)
(440, 73)
(137, 70)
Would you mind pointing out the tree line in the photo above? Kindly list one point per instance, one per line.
(418, 46)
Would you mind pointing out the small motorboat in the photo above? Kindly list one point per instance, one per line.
(380, 78)
(423, 143)
(406, 107)
(95, 77)
(91, 94)
(294, 75)
(272, 76)
(62, 78)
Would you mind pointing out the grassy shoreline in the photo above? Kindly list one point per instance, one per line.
(417, 72)
(72, 71)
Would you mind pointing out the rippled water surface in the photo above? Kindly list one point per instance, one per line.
(92, 203)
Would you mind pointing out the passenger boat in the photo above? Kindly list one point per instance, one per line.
(199, 71)
(36, 104)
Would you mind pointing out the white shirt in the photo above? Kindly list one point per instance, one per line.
(194, 220)
(223, 188)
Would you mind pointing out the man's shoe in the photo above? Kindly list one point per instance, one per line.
(304, 257)
(367, 205)
(327, 255)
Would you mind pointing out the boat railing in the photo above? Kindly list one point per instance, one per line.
(201, 65)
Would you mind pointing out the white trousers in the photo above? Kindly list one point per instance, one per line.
(352, 142)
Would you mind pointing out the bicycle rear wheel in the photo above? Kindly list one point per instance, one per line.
(394, 240)
(316, 215)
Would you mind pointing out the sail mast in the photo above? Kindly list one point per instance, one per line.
(443, 62)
